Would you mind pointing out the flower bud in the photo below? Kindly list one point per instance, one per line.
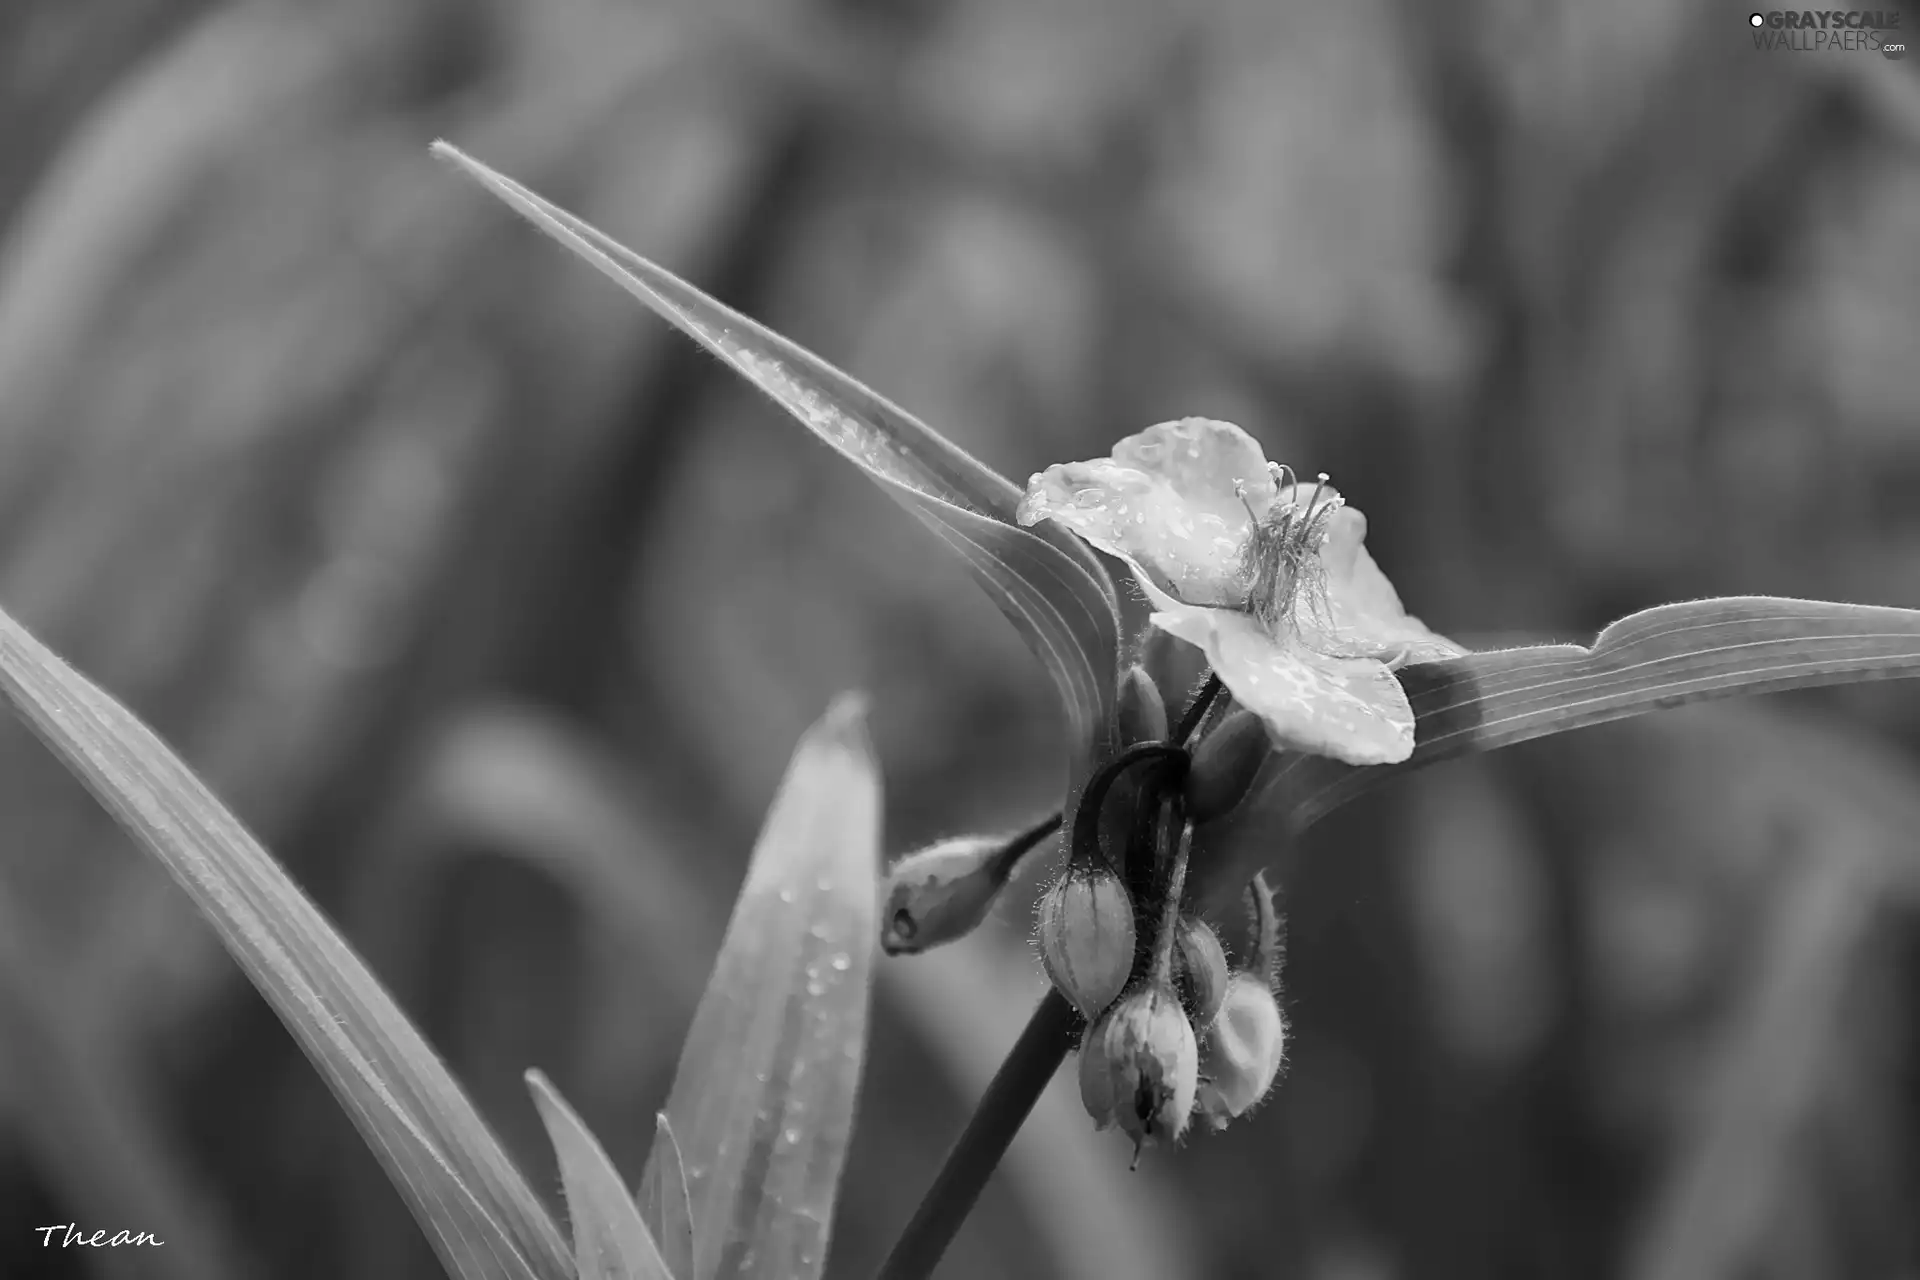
(1199, 970)
(1087, 936)
(941, 892)
(1244, 1051)
(1139, 1067)
(1141, 710)
(1224, 765)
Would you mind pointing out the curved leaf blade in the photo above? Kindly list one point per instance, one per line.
(1051, 587)
(875, 434)
(482, 1218)
(1664, 657)
(610, 1242)
(763, 1098)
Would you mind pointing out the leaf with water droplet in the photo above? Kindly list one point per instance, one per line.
(763, 1098)
(482, 1219)
(664, 1202)
(1049, 585)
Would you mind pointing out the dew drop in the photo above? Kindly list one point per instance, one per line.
(841, 962)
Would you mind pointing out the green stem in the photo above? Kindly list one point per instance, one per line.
(1084, 845)
(1197, 709)
(1176, 887)
(1004, 1108)
(1009, 858)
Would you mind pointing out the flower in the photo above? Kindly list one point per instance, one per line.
(1268, 577)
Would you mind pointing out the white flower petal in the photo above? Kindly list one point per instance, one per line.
(1364, 616)
(1168, 502)
(1349, 708)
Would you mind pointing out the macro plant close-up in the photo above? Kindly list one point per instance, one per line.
(497, 790)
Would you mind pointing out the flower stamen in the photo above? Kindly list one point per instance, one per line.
(1285, 546)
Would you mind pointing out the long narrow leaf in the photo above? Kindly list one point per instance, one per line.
(1662, 657)
(763, 1097)
(610, 1242)
(481, 1217)
(1049, 585)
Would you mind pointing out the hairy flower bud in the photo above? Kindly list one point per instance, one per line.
(1244, 1051)
(1141, 710)
(1199, 970)
(1224, 765)
(1139, 1067)
(1087, 936)
(941, 892)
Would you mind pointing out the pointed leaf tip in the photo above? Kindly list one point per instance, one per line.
(1048, 583)
(610, 1242)
(763, 1100)
(665, 1204)
(845, 722)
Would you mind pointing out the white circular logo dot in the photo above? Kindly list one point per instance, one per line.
(1756, 19)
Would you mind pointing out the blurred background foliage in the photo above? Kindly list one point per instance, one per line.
(496, 609)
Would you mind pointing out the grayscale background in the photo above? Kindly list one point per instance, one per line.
(496, 609)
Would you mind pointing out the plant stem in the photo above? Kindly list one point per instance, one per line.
(1036, 1055)
(1021, 845)
(1084, 840)
(1197, 709)
(1176, 888)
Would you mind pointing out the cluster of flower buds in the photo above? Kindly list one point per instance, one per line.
(1173, 1030)
(1210, 1043)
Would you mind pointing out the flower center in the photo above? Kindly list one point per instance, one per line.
(1282, 556)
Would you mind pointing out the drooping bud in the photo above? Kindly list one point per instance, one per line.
(1139, 1067)
(939, 893)
(1244, 1051)
(1224, 765)
(1088, 935)
(1199, 970)
(1141, 710)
